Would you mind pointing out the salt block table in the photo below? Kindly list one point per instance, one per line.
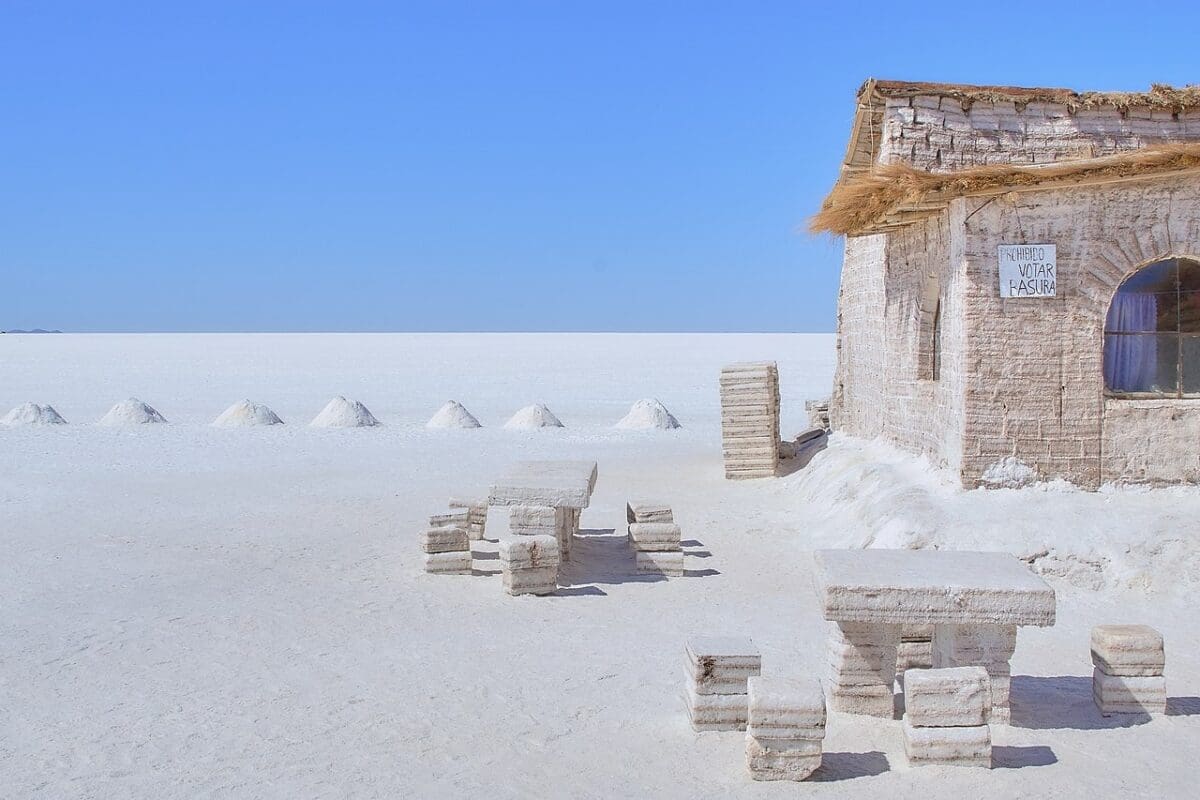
(565, 486)
(975, 602)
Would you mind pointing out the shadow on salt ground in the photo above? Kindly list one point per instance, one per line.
(1065, 701)
(1008, 757)
(804, 454)
(846, 766)
(1183, 706)
(600, 556)
(689, 548)
(580, 591)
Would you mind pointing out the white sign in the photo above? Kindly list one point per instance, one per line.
(1028, 270)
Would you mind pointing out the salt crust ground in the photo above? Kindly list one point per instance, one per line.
(192, 612)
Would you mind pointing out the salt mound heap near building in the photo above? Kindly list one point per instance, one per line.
(648, 414)
(453, 415)
(131, 412)
(244, 414)
(32, 414)
(343, 413)
(535, 416)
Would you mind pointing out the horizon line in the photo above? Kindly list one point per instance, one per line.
(24, 332)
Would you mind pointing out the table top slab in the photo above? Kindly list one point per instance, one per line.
(561, 484)
(931, 586)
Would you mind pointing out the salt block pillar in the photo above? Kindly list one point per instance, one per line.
(987, 646)
(565, 520)
(862, 667)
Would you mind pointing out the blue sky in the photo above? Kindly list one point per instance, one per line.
(474, 166)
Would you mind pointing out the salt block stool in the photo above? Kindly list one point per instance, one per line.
(1128, 669)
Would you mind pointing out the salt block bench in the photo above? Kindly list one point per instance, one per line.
(565, 486)
(975, 602)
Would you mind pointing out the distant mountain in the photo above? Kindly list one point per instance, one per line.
(35, 330)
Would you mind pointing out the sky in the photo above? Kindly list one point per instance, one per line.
(483, 166)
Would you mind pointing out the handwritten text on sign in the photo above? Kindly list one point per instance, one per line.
(1028, 270)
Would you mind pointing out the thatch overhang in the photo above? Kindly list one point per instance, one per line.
(895, 195)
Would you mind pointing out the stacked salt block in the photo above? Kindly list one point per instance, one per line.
(1128, 675)
(946, 717)
(447, 548)
(915, 650)
(987, 646)
(655, 538)
(542, 521)
(862, 668)
(785, 728)
(718, 671)
(656, 544)
(529, 564)
(750, 420)
(476, 515)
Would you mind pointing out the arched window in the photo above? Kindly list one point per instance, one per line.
(1152, 332)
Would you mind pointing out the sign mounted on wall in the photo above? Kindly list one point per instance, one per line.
(1028, 270)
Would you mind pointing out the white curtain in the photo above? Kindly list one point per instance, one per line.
(1131, 362)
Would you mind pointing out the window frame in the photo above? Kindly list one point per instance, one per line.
(1176, 336)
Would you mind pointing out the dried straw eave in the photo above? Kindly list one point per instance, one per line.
(894, 194)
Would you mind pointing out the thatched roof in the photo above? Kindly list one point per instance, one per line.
(894, 195)
(863, 149)
(862, 152)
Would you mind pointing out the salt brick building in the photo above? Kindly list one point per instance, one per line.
(1089, 368)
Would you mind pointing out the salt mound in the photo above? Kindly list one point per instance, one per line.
(32, 414)
(1009, 473)
(452, 415)
(343, 413)
(131, 412)
(535, 416)
(648, 414)
(243, 414)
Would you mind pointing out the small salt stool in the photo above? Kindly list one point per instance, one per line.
(946, 714)
(446, 550)
(657, 549)
(717, 674)
(1128, 676)
(953, 697)
(529, 564)
(785, 728)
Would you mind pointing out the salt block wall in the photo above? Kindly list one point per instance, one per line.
(938, 134)
(1034, 382)
(885, 384)
(861, 358)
